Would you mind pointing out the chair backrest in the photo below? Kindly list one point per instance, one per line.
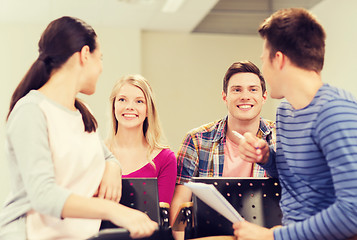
(140, 194)
(256, 199)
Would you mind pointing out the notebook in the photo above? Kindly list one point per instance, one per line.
(255, 199)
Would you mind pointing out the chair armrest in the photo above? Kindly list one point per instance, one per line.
(164, 215)
(184, 217)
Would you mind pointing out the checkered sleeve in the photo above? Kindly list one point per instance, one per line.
(187, 160)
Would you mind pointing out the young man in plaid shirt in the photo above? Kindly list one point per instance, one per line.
(211, 150)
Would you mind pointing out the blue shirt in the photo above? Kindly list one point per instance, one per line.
(316, 162)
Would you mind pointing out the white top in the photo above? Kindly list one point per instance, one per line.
(50, 156)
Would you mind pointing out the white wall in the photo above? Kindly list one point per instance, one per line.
(18, 46)
(185, 70)
(340, 22)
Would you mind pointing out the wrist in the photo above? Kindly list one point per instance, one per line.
(109, 209)
(115, 164)
(265, 158)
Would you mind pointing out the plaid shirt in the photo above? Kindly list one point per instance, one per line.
(202, 152)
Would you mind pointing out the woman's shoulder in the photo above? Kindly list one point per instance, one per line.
(164, 155)
(166, 152)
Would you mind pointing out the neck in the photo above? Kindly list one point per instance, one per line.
(242, 127)
(130, 138)
(61, 88)
(302, 87)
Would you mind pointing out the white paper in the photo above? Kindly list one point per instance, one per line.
(213, 198)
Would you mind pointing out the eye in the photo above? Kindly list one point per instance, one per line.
(236, 90)
(121, 100)
(140, 101)
(254, 89)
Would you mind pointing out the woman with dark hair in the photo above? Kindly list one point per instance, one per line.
(61, 172)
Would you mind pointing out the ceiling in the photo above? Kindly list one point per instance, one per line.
(201, 16)
(244, 16)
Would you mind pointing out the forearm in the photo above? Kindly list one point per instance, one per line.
(177, 231)
(181, 195)
(174, 208)
(94, 208)
(138, 223)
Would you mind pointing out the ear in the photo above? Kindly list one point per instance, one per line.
(224, 96)
(84, 54)
(265, 94)
(280, 60)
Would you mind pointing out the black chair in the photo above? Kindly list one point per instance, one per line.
(256, 199)
(123, 234)
(140, 194)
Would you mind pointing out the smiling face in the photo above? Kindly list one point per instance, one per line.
(244, 98)
(130, 107)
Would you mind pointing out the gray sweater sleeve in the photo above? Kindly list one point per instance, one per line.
(28, 145)
(108, 155)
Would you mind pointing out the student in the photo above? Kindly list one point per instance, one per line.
(211, 150)
(136, 135)
(315, 159)
(56, 159)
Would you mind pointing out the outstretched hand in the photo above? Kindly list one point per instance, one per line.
(253, 149)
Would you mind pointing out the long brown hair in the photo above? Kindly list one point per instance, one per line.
(61, 39)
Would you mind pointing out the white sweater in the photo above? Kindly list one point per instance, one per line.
(50, 156)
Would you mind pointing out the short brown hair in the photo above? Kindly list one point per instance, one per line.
(242, 67)
(296, 33)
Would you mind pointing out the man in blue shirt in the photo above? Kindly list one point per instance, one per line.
(316, 152)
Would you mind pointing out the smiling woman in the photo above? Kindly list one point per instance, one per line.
(136, 135)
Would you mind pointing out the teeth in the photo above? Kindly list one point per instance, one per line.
(245, 106)
(129, 115)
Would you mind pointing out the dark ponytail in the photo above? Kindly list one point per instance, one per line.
(37, 71)
(90, 124)
(62, 38)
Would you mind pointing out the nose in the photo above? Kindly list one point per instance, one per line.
(129, 105)
(245, 95)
